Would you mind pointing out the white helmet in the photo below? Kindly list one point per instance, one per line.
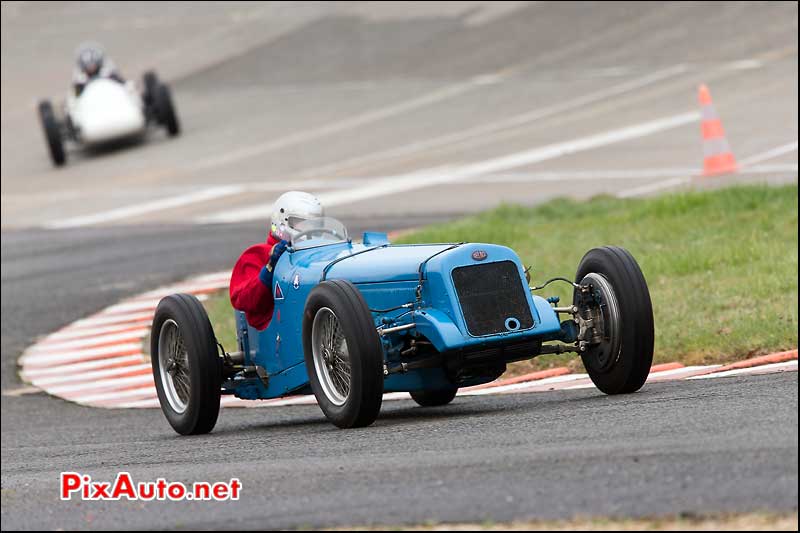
(290, 209)
(90, 57)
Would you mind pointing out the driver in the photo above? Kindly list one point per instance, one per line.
(251, 280)
(92, 63)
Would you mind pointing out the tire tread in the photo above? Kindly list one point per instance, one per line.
(637, 329)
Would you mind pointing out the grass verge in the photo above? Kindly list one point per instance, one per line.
(721, 265)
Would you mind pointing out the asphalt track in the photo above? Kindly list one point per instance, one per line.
(342, 95)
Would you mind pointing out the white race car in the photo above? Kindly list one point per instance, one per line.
(108, 111)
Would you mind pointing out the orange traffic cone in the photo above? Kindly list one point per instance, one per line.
(717, 155)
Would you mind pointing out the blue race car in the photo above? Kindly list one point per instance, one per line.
(355, 320)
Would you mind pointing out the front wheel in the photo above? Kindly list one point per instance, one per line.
(434, 398)
(52, 133)
(186, 365)
(165, 109)
(616, 314)
(343, 354)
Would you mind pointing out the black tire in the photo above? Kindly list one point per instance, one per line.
(204, 364)
(434, 398)
(52, 133)
(362, 402)
(626, 370)
(150, 83)
(165, 110)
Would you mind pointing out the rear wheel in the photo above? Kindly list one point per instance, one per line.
(150, 82)
(343, 354)
(52, 133)
(620, 353)
(186, 365)
(165, 110)
(434, 398)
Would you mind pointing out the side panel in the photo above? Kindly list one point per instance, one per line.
(279, 347)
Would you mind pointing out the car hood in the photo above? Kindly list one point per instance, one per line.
(385, 263)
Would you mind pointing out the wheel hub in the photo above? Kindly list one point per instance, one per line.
(599, 321)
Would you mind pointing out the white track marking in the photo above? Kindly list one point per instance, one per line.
(588, 385)
(680, 371)
(442, 175)
(126, 360)
(632, 174)
(491, 11)
(221, 282)
(194, 288)
(525, 384)
(743, 64)
(213, 192)
(770, 154)
(133, 305)
(583, 175)
(652, 187)
(224, 275)
(483, 130)
(87, 376)
(397, 396)
(69, 333)
(76, 355)
(103, 384)
(786, 366)
(204, 195)
(654, 376)
(107, 320)
(293, 400)
(556, 383)
(767, 169)
(55, 347)
(353, 122)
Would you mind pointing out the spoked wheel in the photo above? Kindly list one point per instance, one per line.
(434, 398)
(186, 366)
(173, 363)
(617, 315)
(331, 357)
(343, 354)
(52, 133)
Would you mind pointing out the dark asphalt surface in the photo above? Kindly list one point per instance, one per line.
(723, 445)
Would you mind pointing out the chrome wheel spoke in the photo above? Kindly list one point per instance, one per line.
(331, 360)
(174, 366)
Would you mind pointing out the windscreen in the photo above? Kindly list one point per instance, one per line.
(318, 232)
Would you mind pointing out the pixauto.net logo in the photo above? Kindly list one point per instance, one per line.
(82, 487)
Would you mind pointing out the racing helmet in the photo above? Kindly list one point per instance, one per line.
(290, 209)
(90, 57)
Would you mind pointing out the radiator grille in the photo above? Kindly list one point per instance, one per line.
(490, 295)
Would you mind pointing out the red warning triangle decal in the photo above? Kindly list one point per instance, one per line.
(278, 293)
